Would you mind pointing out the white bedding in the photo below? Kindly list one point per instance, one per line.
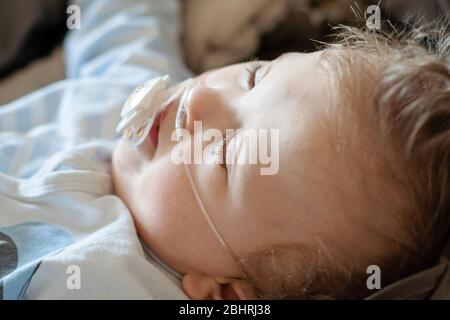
(63, 232)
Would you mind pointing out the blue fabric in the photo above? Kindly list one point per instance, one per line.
(28, 243)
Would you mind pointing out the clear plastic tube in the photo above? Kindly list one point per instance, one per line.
(179, 126)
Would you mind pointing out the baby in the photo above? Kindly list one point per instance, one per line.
(294, 178)
(364, 156)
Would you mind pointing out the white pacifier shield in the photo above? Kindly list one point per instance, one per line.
(139, 103)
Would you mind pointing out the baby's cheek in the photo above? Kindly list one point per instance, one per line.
(125, 160)
(163, 192)
(162, 210)
(171, 223)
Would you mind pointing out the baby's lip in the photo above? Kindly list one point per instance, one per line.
(173, 104)
(155, 131)
(171, 100)
(163, 114)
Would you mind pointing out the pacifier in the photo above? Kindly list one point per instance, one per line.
(140, 110)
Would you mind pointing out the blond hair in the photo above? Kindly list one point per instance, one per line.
(408, 113)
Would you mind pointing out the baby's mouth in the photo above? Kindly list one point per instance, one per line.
(171, 102)
(144, 111)
(173, 98)
(154, 132)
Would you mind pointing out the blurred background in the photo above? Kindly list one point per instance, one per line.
(32, 32)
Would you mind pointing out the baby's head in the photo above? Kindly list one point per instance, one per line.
(362, 176)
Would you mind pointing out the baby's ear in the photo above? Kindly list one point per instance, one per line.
(205, 287)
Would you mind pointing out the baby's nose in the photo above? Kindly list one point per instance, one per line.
(207, 105)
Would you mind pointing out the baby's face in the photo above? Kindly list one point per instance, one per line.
(252, 211)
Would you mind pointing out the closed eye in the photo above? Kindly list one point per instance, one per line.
(220, 151)
(252, 68)
(225, 142)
